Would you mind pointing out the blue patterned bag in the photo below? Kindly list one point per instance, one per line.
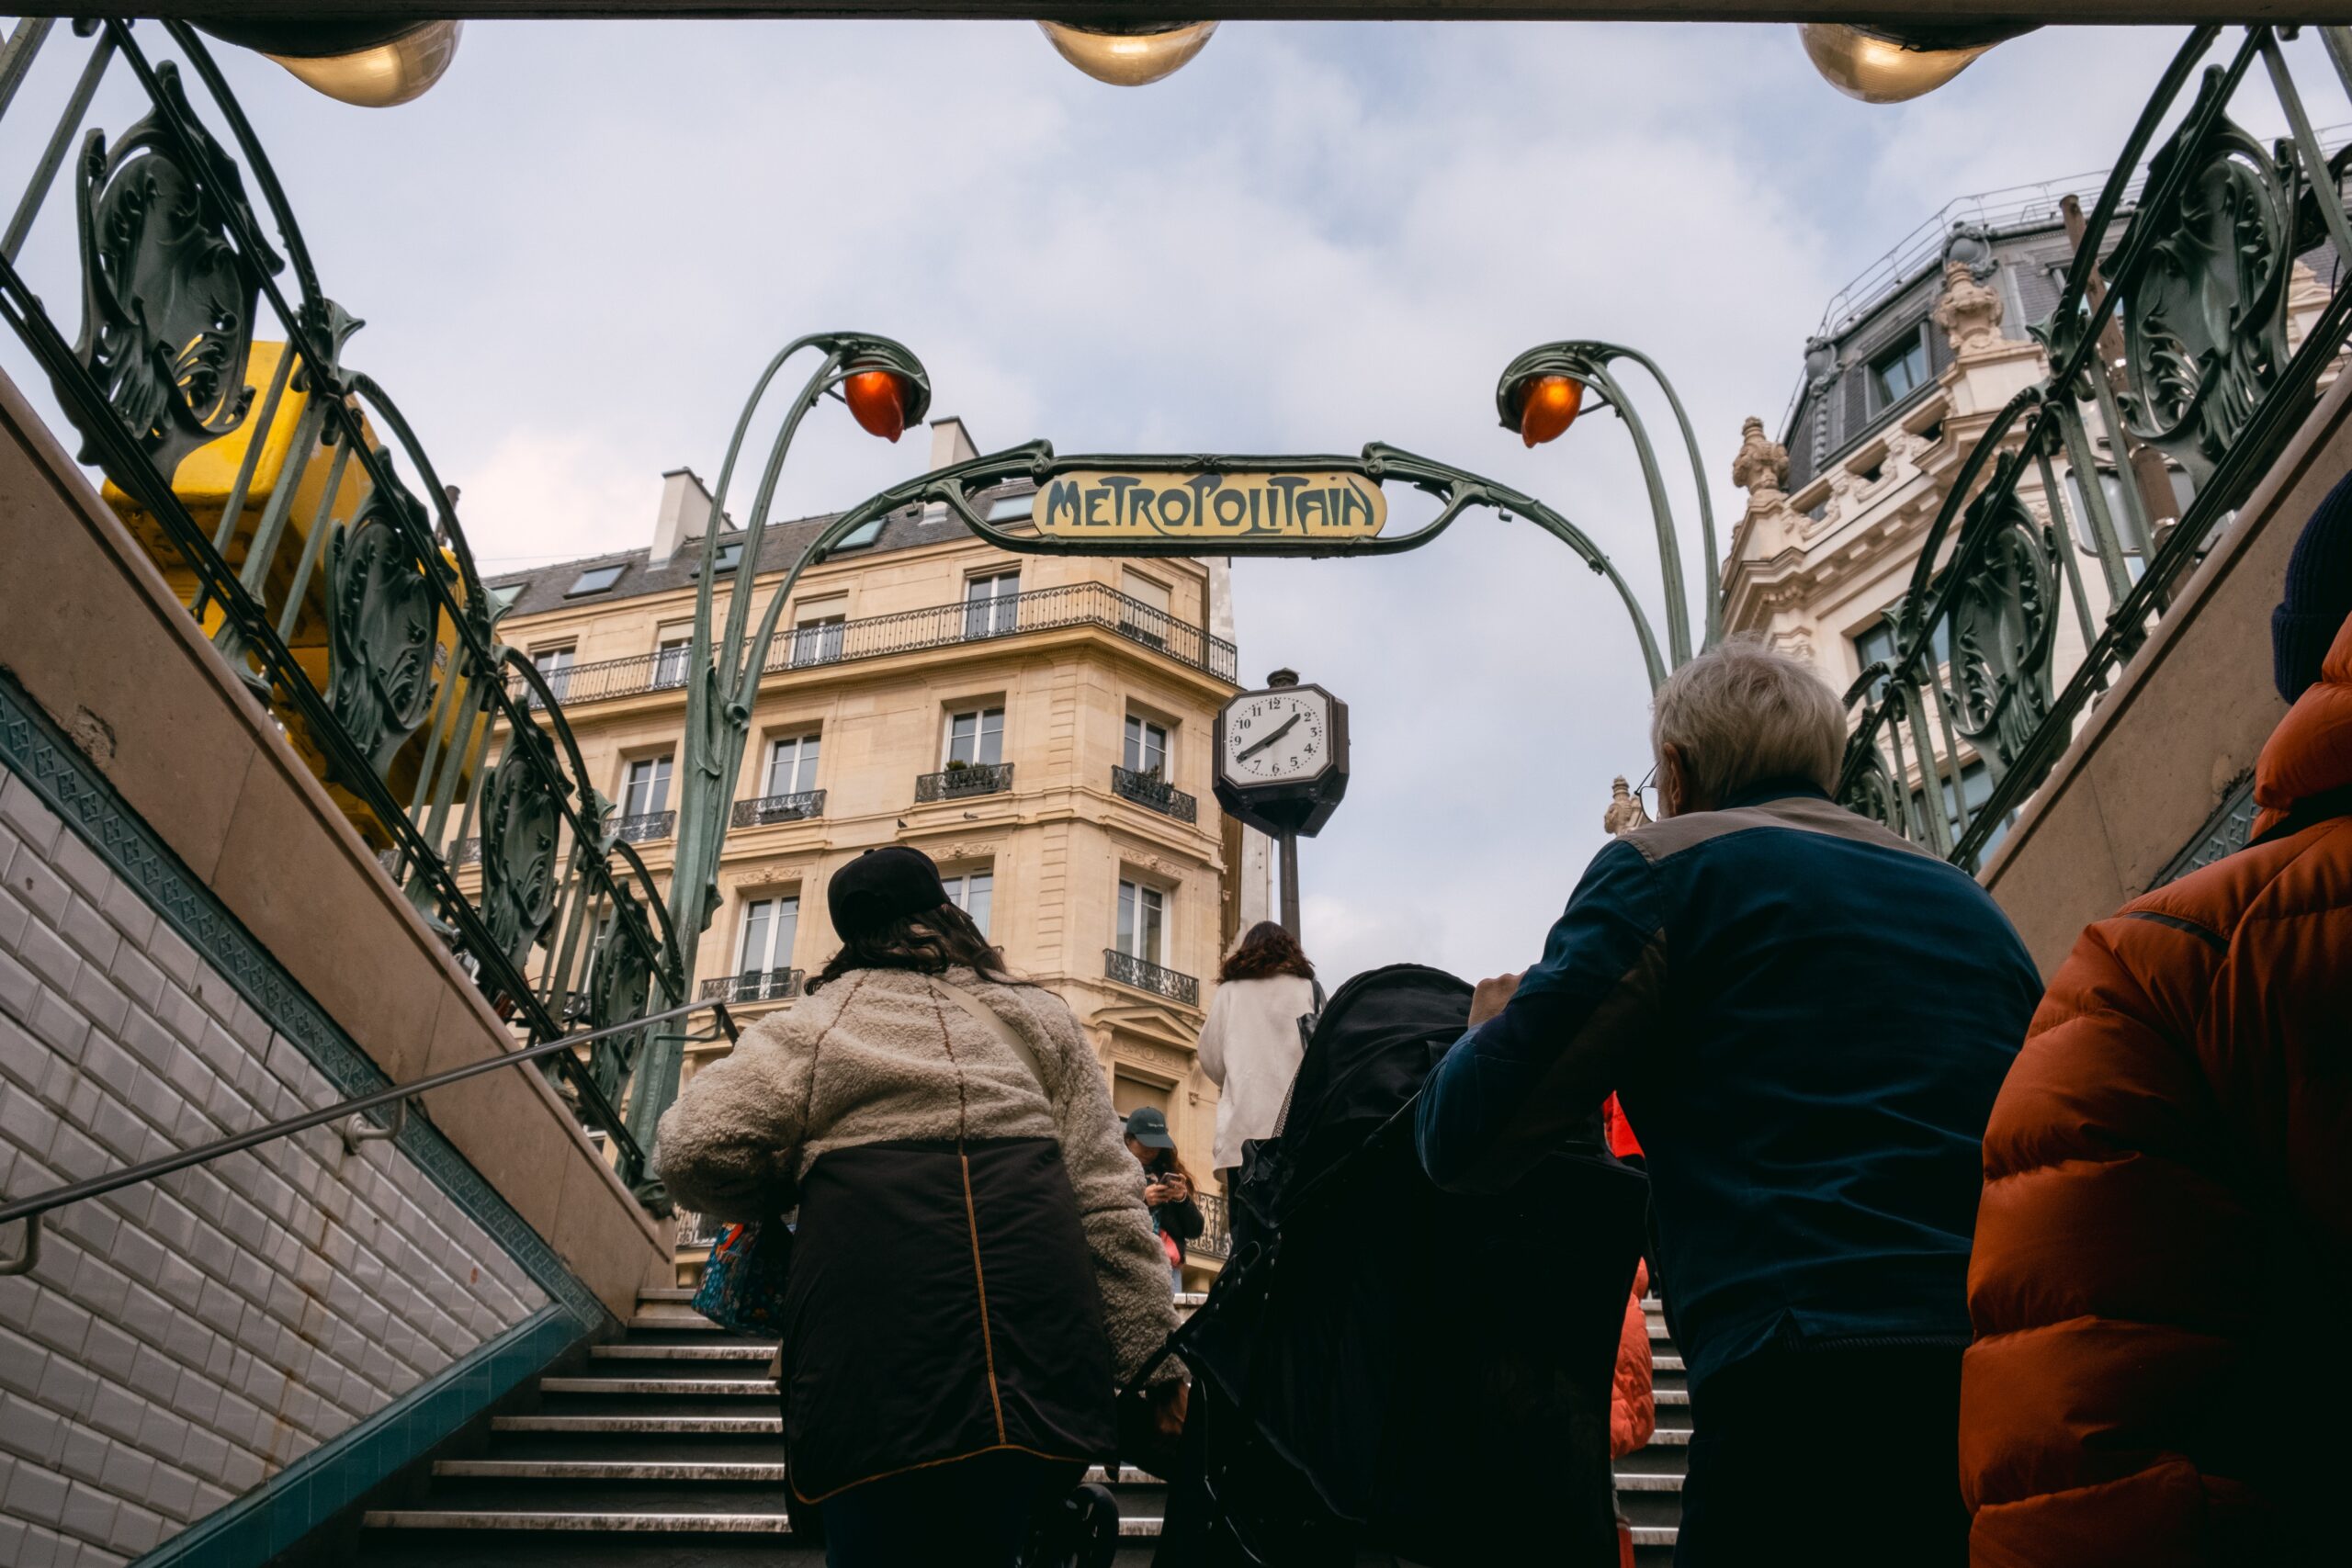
(743, 1285)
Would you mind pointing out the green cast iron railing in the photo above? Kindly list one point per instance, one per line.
(2196, 288)
(353, 610)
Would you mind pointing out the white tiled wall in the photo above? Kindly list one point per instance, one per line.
(184, 1339)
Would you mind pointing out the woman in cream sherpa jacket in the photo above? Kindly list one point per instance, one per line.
(974, 1269)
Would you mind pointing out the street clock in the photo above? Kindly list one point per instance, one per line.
(1282, 756)
(1281, 767)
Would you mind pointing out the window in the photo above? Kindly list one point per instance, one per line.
(972, 892)
(792, 765)
(857, 538)
(1900, 370)
(1975, 788)
(991, 605)
(1145, 619)
(1142, 921)
(977, 739)
(1011, 508)
(1877, 643)
(770, 927)
(554, 665)
(594, 580)
(647, 788)
(1147, 747)
(817, 637)
(670, 661)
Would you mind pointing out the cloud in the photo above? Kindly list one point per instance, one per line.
(576, 254)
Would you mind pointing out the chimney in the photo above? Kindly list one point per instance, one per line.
(684, 514)
(950, 443)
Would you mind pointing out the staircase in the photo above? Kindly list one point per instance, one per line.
(1649, 1484)
(666, 1450)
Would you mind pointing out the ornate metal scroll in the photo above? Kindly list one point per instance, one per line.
(167, 301)
(522, 818)
(620, 979)
(1870, 788)
(382, 627)
(2002, 611)
(2205, 306)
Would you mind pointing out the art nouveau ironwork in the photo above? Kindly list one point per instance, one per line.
(2198, 277)
(345, 601)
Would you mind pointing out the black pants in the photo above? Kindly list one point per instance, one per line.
(1828, 1458)
(973, 1513)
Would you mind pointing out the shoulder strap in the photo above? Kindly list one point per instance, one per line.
(986, 1016)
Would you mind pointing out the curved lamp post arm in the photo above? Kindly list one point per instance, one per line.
(1712, 560)
(724, 672)
(1586, 363)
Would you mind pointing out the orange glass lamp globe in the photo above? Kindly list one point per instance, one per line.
(1547, 406)
(877, 400)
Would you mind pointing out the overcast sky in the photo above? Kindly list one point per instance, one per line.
(576, 253)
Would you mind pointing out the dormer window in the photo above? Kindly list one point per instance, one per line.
(1900, 370)
(594, 580)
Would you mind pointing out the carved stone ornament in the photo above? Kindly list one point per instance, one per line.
(382, 628)
(1761, 467)
(765, 876)
(167, 301)
(1625, 811)
(1969, 313)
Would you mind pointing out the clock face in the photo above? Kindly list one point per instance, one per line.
(1277, 736)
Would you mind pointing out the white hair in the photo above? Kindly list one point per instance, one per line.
(1741, 714)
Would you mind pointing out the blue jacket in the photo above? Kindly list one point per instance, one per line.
(1806, 1019)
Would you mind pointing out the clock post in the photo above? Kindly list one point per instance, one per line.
(1281, 767)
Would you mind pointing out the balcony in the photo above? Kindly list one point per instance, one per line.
(1144, 975)
(962, 784)
(1151, 791)
(645, 825)
(911, 631)
(770, 809)
(758, 986)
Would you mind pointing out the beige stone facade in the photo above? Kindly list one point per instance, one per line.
(1897, 394)
(1055, 681)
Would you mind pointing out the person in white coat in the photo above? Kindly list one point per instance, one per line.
(1250, 1047)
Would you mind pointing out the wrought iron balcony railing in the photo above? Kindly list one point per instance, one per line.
(2168, 350)
(204, 328)
(757, 985)
(1151, 790)
(959, 784)
(771, 808)
(911, 631)
(645, 827)
(1145, 975)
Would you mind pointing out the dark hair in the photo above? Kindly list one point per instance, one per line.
(1266, 950)
(928, 943)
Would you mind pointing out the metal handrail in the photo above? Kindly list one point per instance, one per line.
(31, 1209)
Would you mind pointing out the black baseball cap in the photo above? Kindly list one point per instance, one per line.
(1147, 1126)
(882, 886)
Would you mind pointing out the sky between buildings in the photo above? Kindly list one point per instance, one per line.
(575, 254)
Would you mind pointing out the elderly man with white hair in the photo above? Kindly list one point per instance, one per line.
(1806, 1019)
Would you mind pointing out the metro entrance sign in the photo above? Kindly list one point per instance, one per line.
(1209, 510)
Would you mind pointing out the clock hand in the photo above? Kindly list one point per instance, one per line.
(1257, 746)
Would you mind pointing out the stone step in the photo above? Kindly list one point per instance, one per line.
(615, 1521)
(1650, 1500)
(689, 1471)
(672, 1388)
(667, 1425)
(680, 1293)
(750, 1351)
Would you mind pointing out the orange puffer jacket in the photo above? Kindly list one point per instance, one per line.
(1633, 1408)
(2166, 1234)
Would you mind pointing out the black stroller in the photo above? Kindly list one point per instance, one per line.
(1402, 1370)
